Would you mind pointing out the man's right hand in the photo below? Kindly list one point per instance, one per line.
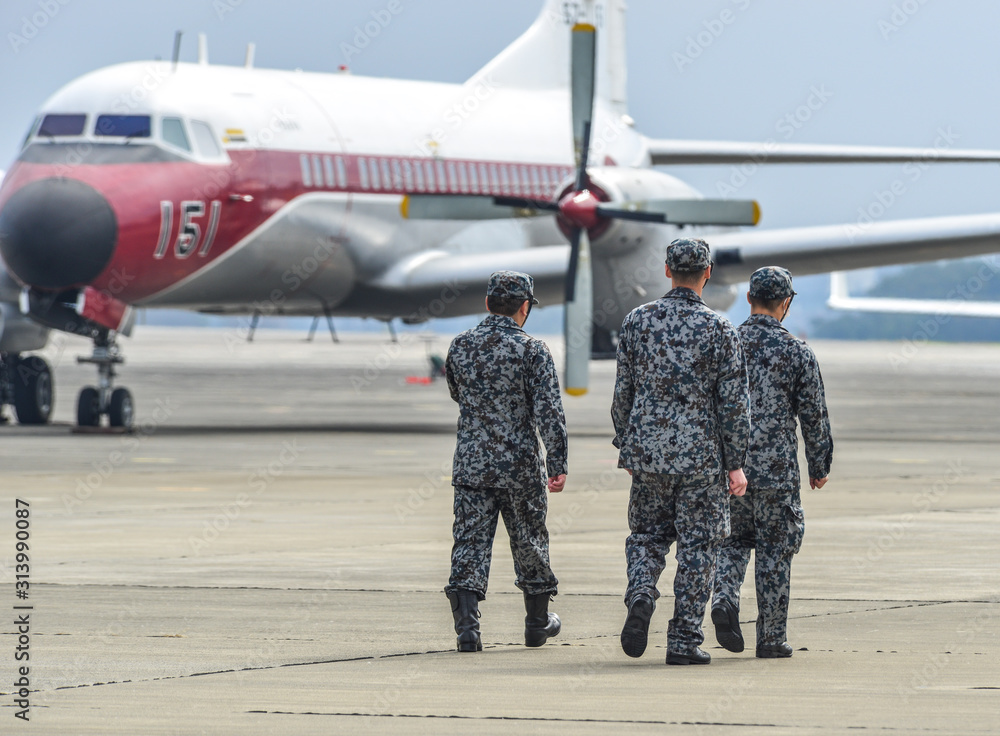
(557, 483)
(737, 482)
(815, 483)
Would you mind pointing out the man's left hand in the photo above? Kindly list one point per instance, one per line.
(557, 483)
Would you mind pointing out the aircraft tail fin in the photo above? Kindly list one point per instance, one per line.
(539, 58)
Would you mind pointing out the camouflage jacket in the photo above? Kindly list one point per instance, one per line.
(680, 405)
(785, 383)
(506, 385)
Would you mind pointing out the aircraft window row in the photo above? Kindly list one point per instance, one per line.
(393, 174)
(328, 171)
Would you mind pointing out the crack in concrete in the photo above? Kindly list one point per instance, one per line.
(536, 719)
(577, 642)
(517, 593)
(617, 721)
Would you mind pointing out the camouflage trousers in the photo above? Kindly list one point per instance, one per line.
(691, 510)
(523, 511)
(770, 522)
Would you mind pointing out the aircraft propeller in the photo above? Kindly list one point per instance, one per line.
(581, 211)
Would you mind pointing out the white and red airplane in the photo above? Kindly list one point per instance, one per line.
(236, 190)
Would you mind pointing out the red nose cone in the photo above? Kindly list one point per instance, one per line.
(580, 209)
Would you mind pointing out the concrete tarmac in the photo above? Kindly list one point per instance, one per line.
(265, 555)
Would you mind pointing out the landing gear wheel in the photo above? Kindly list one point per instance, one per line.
(120, 410)
(33, 393)
(88, 407)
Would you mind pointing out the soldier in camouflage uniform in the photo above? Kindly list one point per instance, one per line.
(681, 425)
(506, 385)
(785, 384)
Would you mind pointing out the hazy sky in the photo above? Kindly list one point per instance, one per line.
(890, 73)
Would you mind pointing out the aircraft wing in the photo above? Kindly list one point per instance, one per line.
(464, 277)
(810, 250)
(733, 152)
(959, 307)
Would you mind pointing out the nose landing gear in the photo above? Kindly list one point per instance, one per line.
(105, 400)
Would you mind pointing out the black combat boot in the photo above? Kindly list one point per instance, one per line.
(539, 624)
(774, 651)
(726, 618)
(692, 656)
(635, 632)
(465, 609)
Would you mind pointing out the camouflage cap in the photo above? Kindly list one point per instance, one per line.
(771, 282)
(512, 284)
(688, 254)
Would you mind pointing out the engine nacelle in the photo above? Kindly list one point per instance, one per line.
(613, 238)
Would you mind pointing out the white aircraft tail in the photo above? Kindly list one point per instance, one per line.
(539, 59)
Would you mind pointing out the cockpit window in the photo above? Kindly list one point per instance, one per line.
(53, 125)
(31, 132)
(204, 140)
(125, 126)
(174, 134)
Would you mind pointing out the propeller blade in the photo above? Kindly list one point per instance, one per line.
(574, 263)
(636, 215)
(582, 180)
(526, 204)
(582, 83)
(579, 319)
(470, 207)
(686, 211)
(583, 54)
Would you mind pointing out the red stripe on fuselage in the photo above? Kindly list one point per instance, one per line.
(249, 191)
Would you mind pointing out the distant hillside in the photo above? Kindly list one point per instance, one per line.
(973, 279)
